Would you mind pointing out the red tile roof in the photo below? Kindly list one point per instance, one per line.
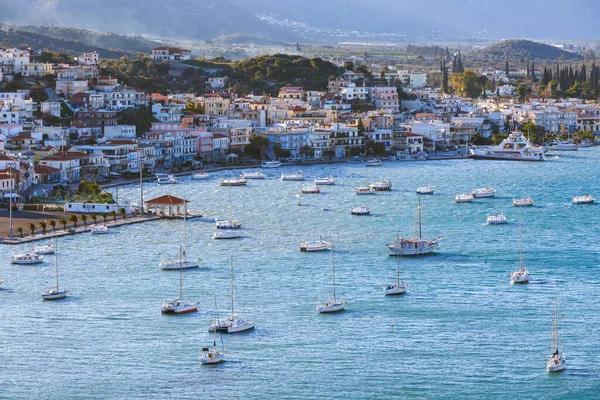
(167, 200)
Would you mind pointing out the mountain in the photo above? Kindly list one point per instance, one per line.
(540, 19)
(177, 19)
(526, 49)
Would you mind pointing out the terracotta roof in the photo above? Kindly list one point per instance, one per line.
(7, 158)
(45, 169)
(168, 200)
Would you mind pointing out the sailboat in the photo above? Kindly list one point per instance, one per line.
(556, 362)
(415, 245)
(234, 323)
(231, 223)
(395, 288)
(179, 306)
(522, 274)
(331, 305)
(55, 294)
(213, 356)
(182, 262)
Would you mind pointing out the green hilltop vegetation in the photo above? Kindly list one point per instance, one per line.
(523, 50)
(72, 40)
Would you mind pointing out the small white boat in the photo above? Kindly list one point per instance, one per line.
(374, 163)
(315, 245)
(557, 361)
(382, 186)
(99, 229)
(425, 190)
(200, 176)
(27, 258)
(496, 219)
(364, 190)
(463, 198)
(56, 293)
(165, 179)
(271, 164)
(253, 175)
(334, 305)
(172, 265)
(179, 306)
(325, 181)
(213, 356)
(229, 224)
(234, 182)
(362, 210)
(227, 234)
(294, 176)
(413, 246)
(524, 202)
(565, 146)
(311, 190)
(487, 191)
(397, 287)
(522, 274)
(585, 199)
(45, 249)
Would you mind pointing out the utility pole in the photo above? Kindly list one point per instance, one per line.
(141, 182)
(10, 206)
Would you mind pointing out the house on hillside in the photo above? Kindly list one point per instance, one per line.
(172, 54)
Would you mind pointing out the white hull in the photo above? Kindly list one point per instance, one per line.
(392, 290)
(497, 219)
(396, 251)
(99, 230)
(526, 202)
(374, 163)
(253, 175)
(463, 198)
(583, 200)
(179, 307)
(506, 155)
(361, 191)
(48, 249)
(361, 211)
(173, 265)
(234, 182)
(320, 245)
(226, 234)
(556, 364)
(324, 181)
(425, 190)
(564, 146)
(200, 176)
(331, 307)
(227, 326)
(292, 177)
(519, 277)
(271, 164)
(55, 294)
(26, 259)
(230, 224)
(211, 358)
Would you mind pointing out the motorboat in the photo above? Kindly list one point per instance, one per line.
(585, 199)
(233, 182)
(362, 210)
(496, 219)
(253, 175)
(333, 305)
(271, 164)
(227, 234)
(44, 249)
(315, 245)
(463, 198)
(234, 323)
(487, 191)
(213, 356)
(413, 246)
(55, 293)
(27, 258)
(99, 229)
(557, 361)
(564, 145)
(293, 176)
(515, 147)
(522, 274)
(524, 202)
(200, 176)
(381, 186)
(229, 224)
(311, 190)
(165, 179)
(374, 163)
(364, 190)
(397, 287)
(179, 306)
(425, 190)
(325, 181)
(586, 143)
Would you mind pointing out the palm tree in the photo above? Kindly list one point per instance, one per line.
(63, 222)
(73, 218)
(103, 218)
(83, 218)
(43, 225)
(94, 217)
(113, 214)
(122, 213)
(52, 225)
(31, 227)
(20, 231)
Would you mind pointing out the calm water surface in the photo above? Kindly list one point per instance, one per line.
(461, 331)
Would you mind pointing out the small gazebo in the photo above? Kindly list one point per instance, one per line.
(167, 206)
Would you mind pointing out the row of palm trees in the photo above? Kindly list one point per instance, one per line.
(74, 219)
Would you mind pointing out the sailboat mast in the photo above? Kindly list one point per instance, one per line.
(398, 271)
(555, 326)
(232, 287)
(180, 275)
(521, 239)
(419, 217)
(215, 315)
(56, 262)
(184, 230)
(333, 269)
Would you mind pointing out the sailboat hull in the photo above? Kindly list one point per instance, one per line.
(405, 251)
(331, 307)
(395, 290)
(54, 295)
(176, 265)
(556, 364)
(215, 359)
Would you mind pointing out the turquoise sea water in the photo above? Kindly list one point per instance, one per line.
(461, 331)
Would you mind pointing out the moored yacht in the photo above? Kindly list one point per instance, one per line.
(397, 287)
(233, 182)
(565, 145)
(375, 162)
(487, 191)
(253, 175)
(213, 356)
(27, 258)
(227, 234)
(557, 361)
(382, 186)
(44, 249)
(496, 219)
(362, 210)
(585, 199)
(463, 198)
(333, 305)
(522, 274)
(325, 181)
(364, 190)
(56, 293)
(297, 176)
(514, 147)
(166, 179)
(524, 202)
(425, 189)
(200, 176)
(99, 229)
(229, 224)
(179, 306)
(315, 245)
(311, 190)
(271, 164)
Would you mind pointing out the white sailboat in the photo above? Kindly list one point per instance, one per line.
(331, 305)
(415, 245)
(213, 356)
(55, 294)
(230, 223)
(395, 288)
(234, 323)
(44, 249)
(557, 361)
(522, 274)
(182, 262)
(179, 306)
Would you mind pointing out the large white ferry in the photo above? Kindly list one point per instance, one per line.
(514, 147)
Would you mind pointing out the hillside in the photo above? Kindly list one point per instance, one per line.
(523, 49)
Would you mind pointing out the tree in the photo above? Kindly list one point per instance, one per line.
(467, 84)
(506, 69)
(329, 154)
(122, 213)
(103, 218)
(360, 126)
(348, 65)
(31, 227)
(306, 151)
(52, 225)
(73, 218)
(94, 217)
(83, 219)
(44, 226)
(444, 77)
(355, 151)
(522, 92)
(258, 144)
(63, 222)
(113, 214)
(20, 231)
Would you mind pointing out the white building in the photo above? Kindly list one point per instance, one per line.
(91, 58)
(217, 82)
(120, 132)
(13, 60)
(170, 54)
(171, 113)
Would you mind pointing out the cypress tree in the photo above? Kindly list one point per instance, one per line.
(445, 78)
(506, 69)
(532, 70)
(583, 74)
(527, 69)
(459, 65)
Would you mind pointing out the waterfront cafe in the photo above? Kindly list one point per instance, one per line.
(167, 206)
